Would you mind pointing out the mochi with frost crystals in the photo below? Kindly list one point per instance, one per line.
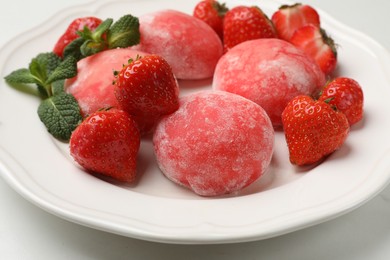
(93, 86)
(216, 143)
(269, 72)
(189, 45)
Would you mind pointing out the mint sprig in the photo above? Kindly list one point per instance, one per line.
(108, 35)
(124, 33)
(64, 70)
(43, 70)
(60, 114)
(46, 72)
(59, 111)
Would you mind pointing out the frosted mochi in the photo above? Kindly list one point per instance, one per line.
(269, 72)
(216, 143)
(93, 86)
(189, 45)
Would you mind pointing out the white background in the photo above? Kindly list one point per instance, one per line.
(27, 232)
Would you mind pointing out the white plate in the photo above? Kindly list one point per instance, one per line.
(286, 199)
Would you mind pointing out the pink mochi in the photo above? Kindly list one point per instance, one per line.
(269, 72)
(189, 45)
(93, 86)
(216, 143)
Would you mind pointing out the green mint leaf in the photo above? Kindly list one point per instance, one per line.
(73, 49)
(44, 91)
(60, 114)
(38, 70)
(124, 32)
(97, 35)
(57, 87)
(21, 80)
(66, 69)
(44, 64)
(20, 76)
(90, 47)
(41, 67)
(51, 61)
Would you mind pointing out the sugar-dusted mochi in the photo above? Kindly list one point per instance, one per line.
(93, 86)
(189, 45)
(216, 143)
(269, 72)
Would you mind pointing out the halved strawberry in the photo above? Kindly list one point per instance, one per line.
(317, 44)
(291, 17)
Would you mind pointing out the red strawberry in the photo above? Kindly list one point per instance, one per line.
(317, 44)
(71, 32)
(292, 17)
(244, 23)
(347, 95)
(107, 142)
(313, 129)
(211, 12)
(147, 89)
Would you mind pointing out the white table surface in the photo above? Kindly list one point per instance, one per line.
(28, 232)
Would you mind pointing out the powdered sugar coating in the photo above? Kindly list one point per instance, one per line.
(93, 86)
(269, 72)
(215, 143)
(189, 45)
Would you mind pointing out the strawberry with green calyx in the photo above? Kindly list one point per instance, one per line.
(243, 23)
(313, 130)
(147, 89)
(317, 44)
(288, 18)
(346, 95)
(211, 12)
(71, 32)
(108, 35)
(58, 110)
(107, 143)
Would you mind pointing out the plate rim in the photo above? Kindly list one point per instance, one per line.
(9, 164)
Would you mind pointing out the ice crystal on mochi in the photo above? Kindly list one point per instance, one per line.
(93, 86)
(189, 45)
(215, 143)
(269, 72)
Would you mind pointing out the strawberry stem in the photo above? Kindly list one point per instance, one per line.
(220, 8)
(327, 101)
(328, 41)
